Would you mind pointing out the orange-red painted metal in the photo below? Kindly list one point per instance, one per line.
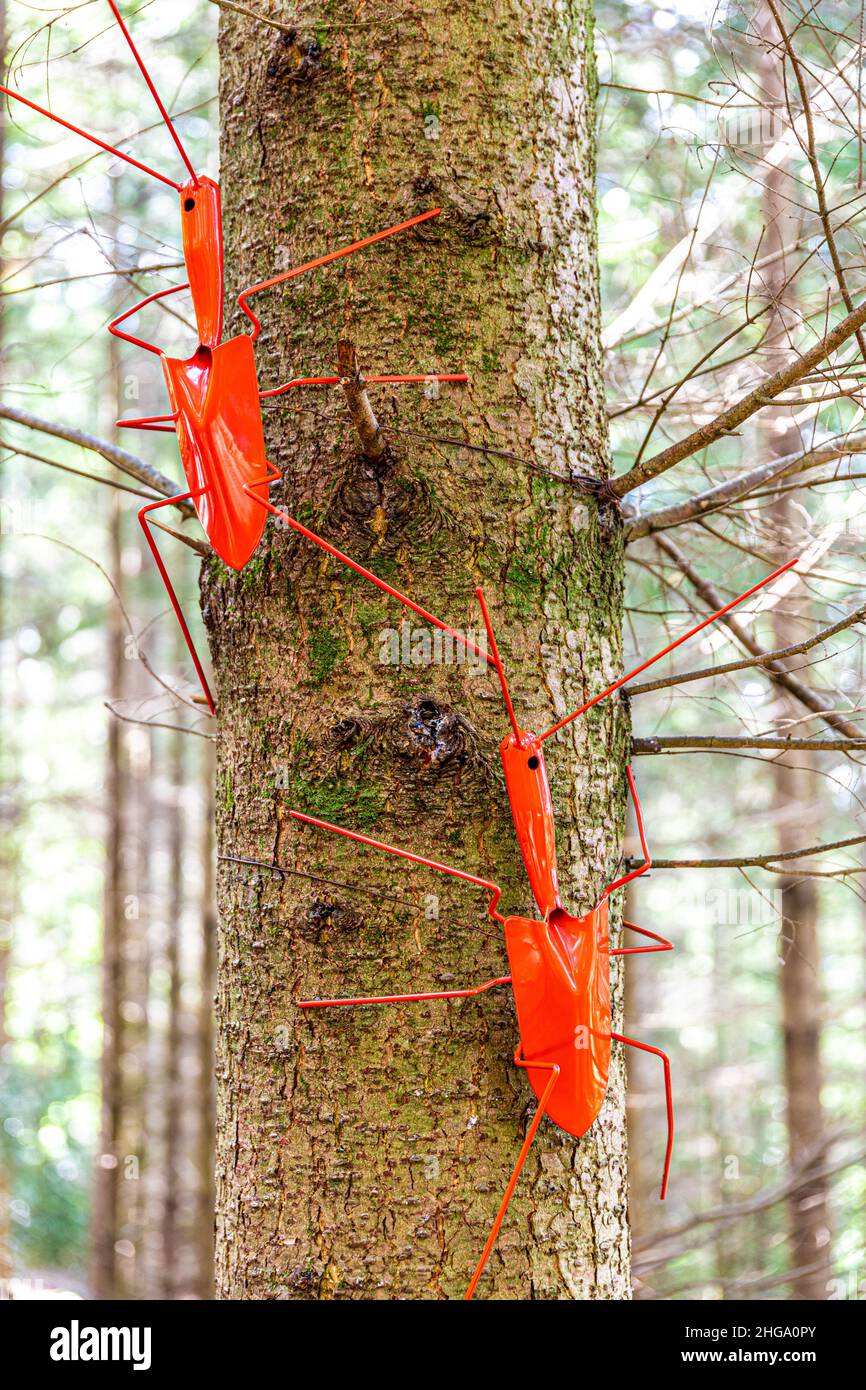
(532, 812)
(214, 398)
(559, 963)
(560, 974)
(214, 394)
(201, 227)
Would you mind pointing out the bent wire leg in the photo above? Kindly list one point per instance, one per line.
(657, 1052)
(493, 888)
(648, 863)
(154, 550)
(148, 422)
(553, 1068)
(324, 260)
(127, 313)
(332, 550)
(641, 950)
(623, 680)
(406, 998)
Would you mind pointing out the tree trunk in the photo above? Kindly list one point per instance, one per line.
(171, 1211)
(204, 1222)
(106, 1177)
(363, 1152)
(796, 802)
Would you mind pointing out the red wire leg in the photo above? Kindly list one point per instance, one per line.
(324, 260)
(553, 1068)
(127, 313)
(367, 380)
(623, 680)
(641, 950)
(645, 1047)
(406, 998)
(353, 565)
(647, 864)
(148, 422)
(493, 888)
(154, 550)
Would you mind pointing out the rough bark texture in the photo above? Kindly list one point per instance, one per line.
(363, 1152)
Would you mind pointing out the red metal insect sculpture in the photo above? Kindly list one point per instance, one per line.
(559, 963)
(214, 395)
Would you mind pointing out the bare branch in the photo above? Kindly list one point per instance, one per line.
(735, 489)
(126, 462)
(200, 547)
(16, 452)
(251, 14)
(742, 410)
(358, 401)
(803, 1175)
(669, 743)
(752, 861)
(798, 649)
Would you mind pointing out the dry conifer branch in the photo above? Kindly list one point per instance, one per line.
(191, 542)
(755, 861)
(743, 409)
(738, 488)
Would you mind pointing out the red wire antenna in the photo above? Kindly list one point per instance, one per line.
(497, 662)
(623, 680)
(94, 139)
(152, 89)
(325, 260)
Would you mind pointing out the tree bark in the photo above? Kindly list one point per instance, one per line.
(362, 1153)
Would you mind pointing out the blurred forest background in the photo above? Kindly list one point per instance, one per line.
(715, 258)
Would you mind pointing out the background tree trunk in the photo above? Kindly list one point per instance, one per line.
(205, 1039)
(363, 1152)
(105, 1273)
(796, 803)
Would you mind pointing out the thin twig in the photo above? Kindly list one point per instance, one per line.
(360, 409)
(710, 594)
(752, 861)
